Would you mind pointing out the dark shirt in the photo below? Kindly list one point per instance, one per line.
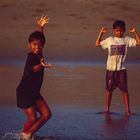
(31, 81)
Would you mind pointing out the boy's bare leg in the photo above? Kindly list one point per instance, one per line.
(108, 101)
(45, 114)
(126, 102)
(31, 118)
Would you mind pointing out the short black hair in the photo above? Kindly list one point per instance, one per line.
(119, 23)
(36, 35)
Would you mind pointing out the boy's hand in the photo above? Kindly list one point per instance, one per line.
(44, 64)
(104, 30)
(42, 21)
(132, 30)
(48, 65)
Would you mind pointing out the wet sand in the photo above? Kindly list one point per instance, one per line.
(75, 94)
(72, 123)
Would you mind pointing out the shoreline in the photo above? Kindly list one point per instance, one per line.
(90, 63)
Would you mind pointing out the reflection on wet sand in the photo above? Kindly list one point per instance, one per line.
(117, 125)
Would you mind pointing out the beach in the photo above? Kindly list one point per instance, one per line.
(74, 87)
(75, 94)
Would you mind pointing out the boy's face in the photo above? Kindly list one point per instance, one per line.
(119, 32)
(36, 46)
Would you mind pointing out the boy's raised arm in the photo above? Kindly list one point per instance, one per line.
(98, 40)
(137, 36)
(42, 22)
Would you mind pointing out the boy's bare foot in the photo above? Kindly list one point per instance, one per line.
(106, 112)
(128, 113)
(25, 136)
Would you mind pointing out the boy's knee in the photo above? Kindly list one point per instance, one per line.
(33, 119)
(47, 116)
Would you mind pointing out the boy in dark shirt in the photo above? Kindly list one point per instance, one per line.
(28, 91)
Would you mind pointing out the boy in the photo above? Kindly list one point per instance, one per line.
(29, 98)
(116, 75)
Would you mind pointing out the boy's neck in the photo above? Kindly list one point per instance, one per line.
(118, 36)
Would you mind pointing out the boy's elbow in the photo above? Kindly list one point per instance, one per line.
(97, 45)
(138, 43)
